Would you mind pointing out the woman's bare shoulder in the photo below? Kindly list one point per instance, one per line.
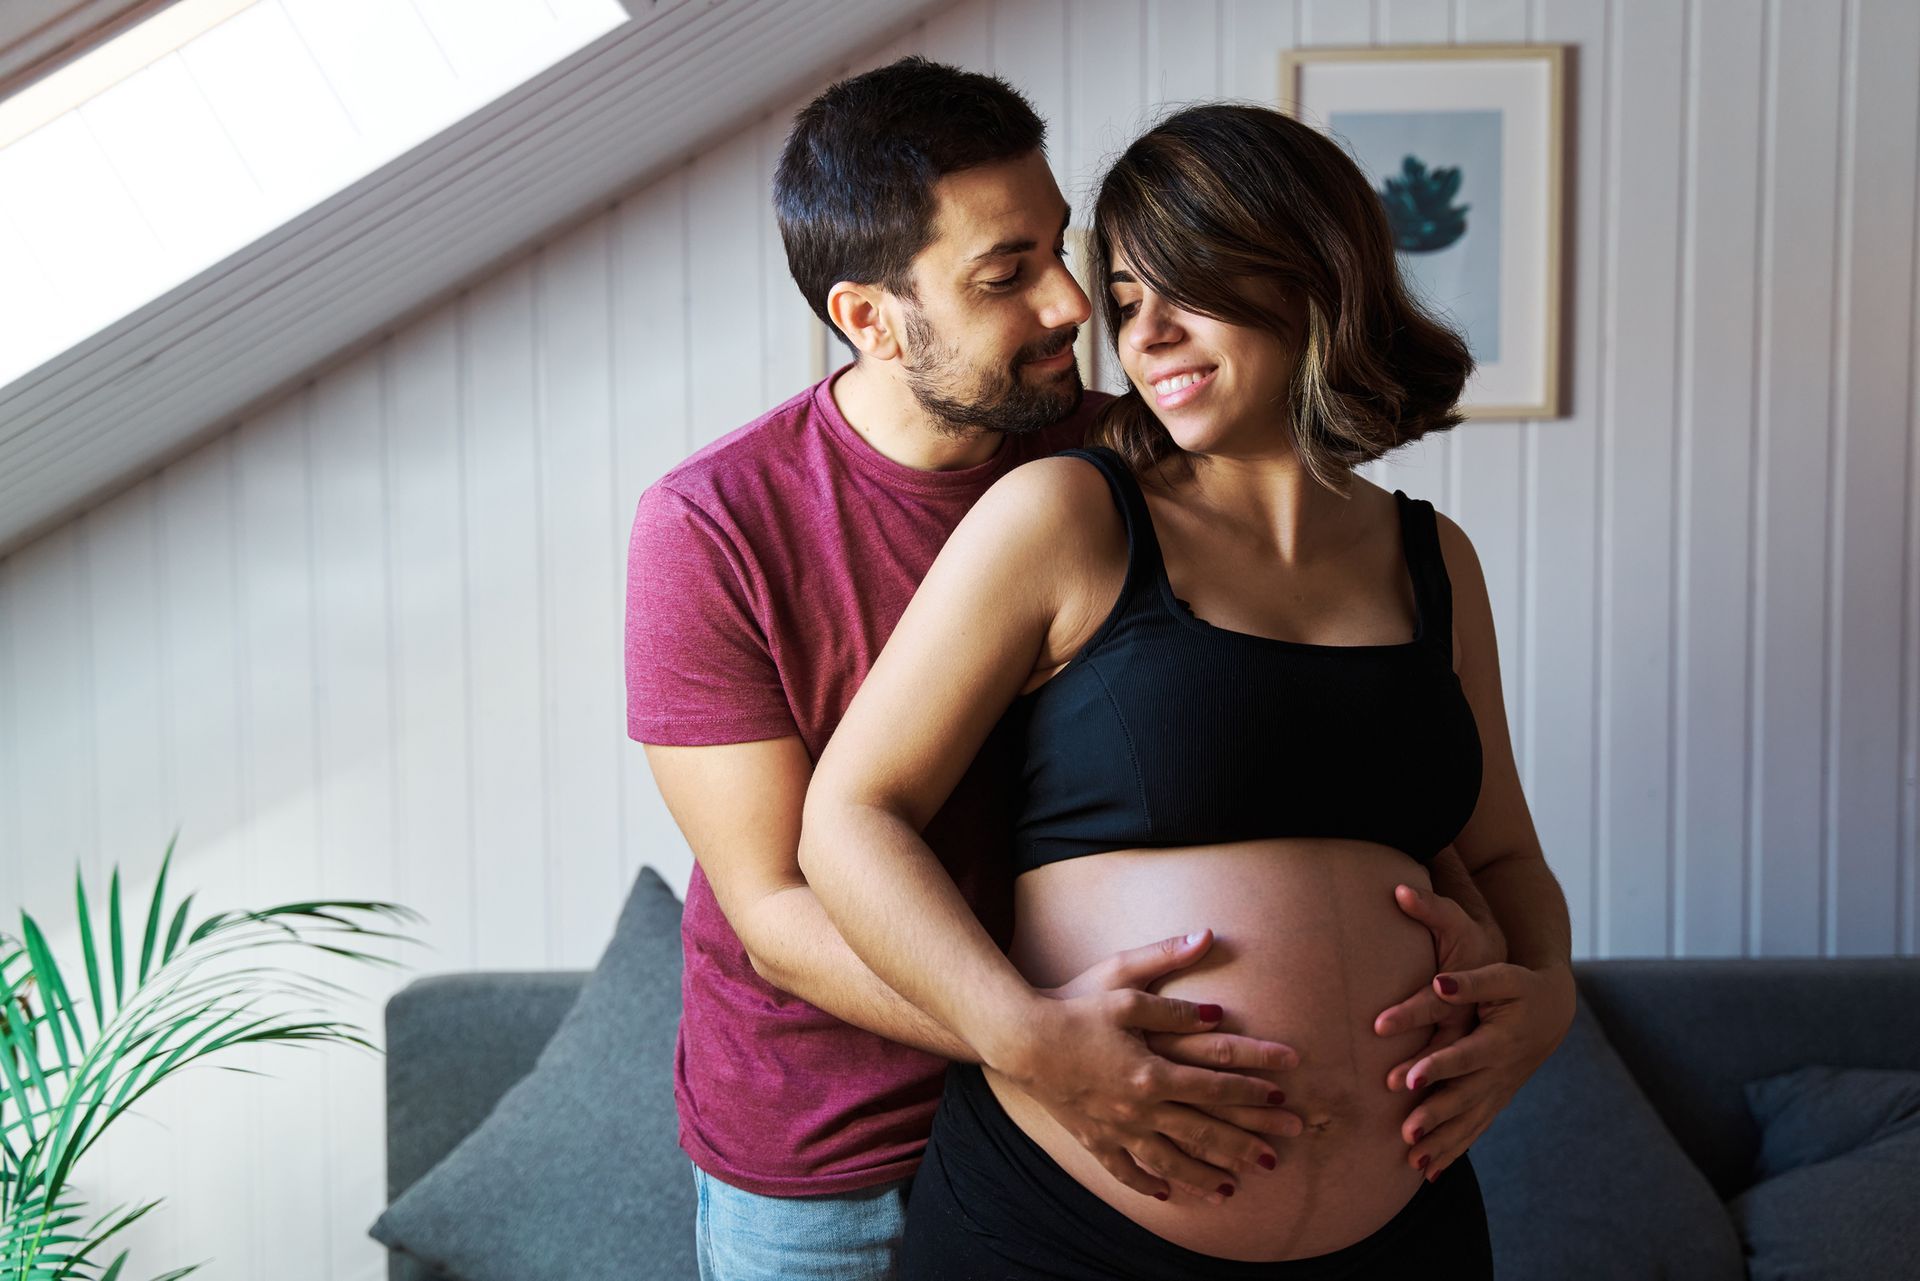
(1057, 505)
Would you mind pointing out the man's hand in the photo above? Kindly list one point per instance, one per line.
(1146, 1083)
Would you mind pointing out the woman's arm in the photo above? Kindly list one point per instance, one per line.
(998, 606)
(1526, 1004)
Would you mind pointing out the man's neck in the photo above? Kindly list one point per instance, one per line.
(885, 414)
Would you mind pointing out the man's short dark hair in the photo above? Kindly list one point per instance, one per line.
(854, 187)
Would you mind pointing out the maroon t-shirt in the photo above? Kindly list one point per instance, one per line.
(764, 575)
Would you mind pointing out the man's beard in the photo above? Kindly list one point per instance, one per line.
(961, 399)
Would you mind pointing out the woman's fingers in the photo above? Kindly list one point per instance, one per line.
(1434, 1112)
(1446, 1143)
(1502, 982)
(1158, 1155)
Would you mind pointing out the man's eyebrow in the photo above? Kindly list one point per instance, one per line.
(1005, 249)
(1008, 248)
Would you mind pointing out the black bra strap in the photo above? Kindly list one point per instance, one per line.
(1432, 590)
(1143, 548)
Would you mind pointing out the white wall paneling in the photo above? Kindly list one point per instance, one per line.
(367, 643)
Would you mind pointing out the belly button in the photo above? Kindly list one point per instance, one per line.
(1318, 1125)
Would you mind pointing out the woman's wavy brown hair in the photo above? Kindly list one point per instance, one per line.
(1219, 197)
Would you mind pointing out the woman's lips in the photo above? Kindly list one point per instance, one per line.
(1179, 396)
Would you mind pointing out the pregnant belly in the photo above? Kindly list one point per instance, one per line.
(1309, 947)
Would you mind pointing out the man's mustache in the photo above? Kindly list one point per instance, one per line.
(1052, 345)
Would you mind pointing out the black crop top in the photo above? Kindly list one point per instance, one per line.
(1167, 731)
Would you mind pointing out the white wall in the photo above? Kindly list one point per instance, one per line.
(367, 644)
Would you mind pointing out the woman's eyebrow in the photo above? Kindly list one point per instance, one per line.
(1121, 278)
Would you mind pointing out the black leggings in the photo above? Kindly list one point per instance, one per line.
(989, 1204)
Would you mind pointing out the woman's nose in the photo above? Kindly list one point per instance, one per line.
(1153, 324)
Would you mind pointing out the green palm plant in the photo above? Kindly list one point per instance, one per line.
(69, 1067)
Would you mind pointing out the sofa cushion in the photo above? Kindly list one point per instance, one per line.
(1557, 1207)
(577, 1171)
(1839, 1171)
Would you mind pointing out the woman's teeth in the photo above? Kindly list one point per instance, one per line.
(1168, 385)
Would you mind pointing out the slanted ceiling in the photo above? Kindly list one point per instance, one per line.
(678, 75)
(38, 36)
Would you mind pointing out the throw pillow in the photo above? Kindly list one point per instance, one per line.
(1582, 1179)
(577, 1173)
(1839, 1171)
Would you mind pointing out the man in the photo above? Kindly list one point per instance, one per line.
(766, 573)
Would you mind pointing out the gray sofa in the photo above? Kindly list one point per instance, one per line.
(1615, 1160)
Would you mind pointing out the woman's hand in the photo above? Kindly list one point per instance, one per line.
(1147, 1083)
(1460, 942)
(1523, 1016)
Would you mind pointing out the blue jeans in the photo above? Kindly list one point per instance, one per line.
(846, 1236)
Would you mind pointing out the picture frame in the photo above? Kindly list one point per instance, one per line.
(1467, 146)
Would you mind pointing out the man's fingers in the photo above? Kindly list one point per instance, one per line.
(1225, 1050)
(1277, 1123)
(1142, 966)
(1423, 1009)
(1435, 911)
(1469, 1055)
(1443, 1036)
(1502, 982)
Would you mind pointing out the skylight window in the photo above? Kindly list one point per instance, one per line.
(194, 133)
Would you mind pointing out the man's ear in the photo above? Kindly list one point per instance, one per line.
(857, 313)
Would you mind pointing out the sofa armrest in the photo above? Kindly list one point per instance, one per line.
(1694, 1031)
(455, 1044)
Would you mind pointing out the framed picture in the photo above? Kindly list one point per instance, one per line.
(1465, 145)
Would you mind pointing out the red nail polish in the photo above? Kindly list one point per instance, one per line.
(1425, 1161)
(1418, 1134)
(1160, 1196)
(1451, 986)
(1276, 1098)
(1226, 1189)
(1210, 1013)
(1266, 1161)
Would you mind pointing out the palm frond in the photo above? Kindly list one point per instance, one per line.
(69, 1069)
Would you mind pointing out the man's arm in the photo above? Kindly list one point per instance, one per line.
(739, 807)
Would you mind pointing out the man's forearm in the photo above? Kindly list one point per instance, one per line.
(1527, 904)
(798, 950)
(899, 910)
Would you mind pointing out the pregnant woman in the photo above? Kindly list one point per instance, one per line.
(1241, 695)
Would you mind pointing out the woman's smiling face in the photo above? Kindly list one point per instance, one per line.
(1217, 387)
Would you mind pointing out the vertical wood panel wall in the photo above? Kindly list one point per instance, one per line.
(368, 643)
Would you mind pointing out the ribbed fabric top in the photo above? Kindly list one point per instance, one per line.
(1165, 730)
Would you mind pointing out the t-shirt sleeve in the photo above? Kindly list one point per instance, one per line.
(700, 670)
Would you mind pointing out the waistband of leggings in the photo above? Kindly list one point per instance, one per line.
(971, 1104)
